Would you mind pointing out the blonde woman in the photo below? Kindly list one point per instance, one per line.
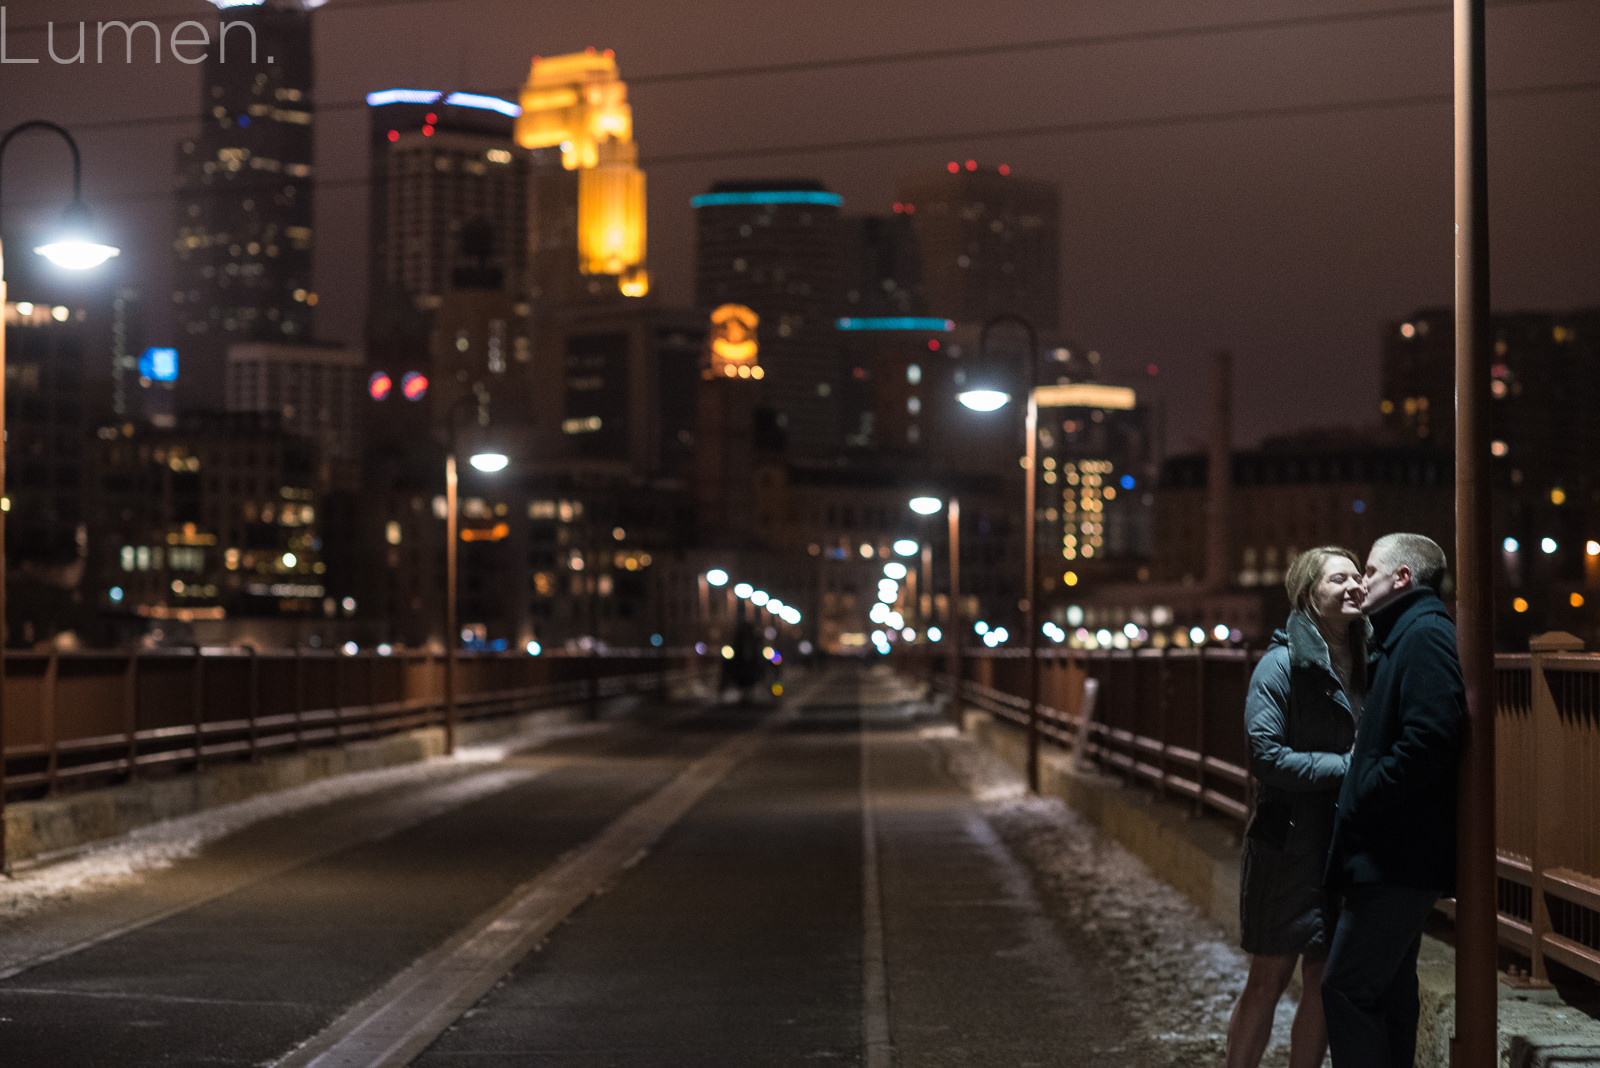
(1300, 719)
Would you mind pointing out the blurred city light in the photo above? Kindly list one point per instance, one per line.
(906, 547)
(1548, 545)
(743, 591)
(1197, 635)
(534, 648)
(1220, 632)
(926, 505)
(935, 634)
(717, 577)
(894, 570)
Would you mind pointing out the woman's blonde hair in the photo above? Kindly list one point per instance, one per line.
(1305, 571)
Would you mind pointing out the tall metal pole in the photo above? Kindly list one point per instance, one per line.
(1030, 613)
(450, 624)
(1475, 1042)
(953, 511)
(5, 859)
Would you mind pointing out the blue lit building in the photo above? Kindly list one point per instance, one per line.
(779, 248)
(443, 165)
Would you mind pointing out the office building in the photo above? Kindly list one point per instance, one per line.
(779, 248)
(443, 165)
(314, 390)
(988, 243)
(245, 183)
(1544, 454)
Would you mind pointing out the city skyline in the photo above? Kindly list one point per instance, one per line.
(1177, 239)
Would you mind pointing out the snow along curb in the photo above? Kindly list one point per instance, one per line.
(1200, 858)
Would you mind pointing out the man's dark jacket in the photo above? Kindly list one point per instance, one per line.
(1396, 822)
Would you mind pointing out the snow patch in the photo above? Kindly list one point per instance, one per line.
(1170, 963)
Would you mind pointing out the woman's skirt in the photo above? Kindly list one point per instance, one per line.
(1283, 908)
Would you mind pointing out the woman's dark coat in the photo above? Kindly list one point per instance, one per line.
(1299, 725)
(1396, 822)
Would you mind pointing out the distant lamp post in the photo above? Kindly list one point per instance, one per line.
(983, 397)
(488, 462)
(928, 506)
(72, 247)
(989, 396)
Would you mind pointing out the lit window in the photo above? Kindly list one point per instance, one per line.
(391, 532)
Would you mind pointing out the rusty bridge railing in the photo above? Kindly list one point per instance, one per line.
(81, 720)
(1173, 720)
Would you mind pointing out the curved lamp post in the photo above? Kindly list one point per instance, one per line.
(930, 506)
(72, 247)
(488, 462)
(987, 395)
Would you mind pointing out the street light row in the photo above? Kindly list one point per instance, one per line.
(760, 598)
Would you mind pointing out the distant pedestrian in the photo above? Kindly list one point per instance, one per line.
(1300, 718)
(1394, 838)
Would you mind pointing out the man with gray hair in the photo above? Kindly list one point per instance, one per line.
(1393, 852)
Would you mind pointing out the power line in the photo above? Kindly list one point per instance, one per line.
(1085, 126)
(1222, 29)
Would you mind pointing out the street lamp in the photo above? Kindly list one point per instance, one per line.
(928, 506)
(488, 462)
(988, 396)
(72, 248)
(1055, 395)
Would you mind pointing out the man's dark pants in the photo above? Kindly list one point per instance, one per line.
(1369, 985)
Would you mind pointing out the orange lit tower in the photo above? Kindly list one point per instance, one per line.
(578, 103)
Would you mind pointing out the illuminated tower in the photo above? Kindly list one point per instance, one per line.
(244, 193)
(579, 104)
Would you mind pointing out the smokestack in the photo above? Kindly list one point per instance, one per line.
(1219, 472)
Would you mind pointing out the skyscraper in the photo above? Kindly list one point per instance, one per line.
(443, 164)
(988, 243)
(778, 248)
(244, 193)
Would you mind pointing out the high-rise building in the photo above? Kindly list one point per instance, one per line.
(244, 193)
(628, 386)
(443, 165)
(988, 243)
(779, 248)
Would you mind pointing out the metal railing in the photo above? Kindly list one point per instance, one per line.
(81, 720)
(1173, 720)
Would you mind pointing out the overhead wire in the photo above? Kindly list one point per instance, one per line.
(836, 63)
(970, 136)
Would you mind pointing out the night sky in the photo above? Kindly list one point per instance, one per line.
(1271, 177)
